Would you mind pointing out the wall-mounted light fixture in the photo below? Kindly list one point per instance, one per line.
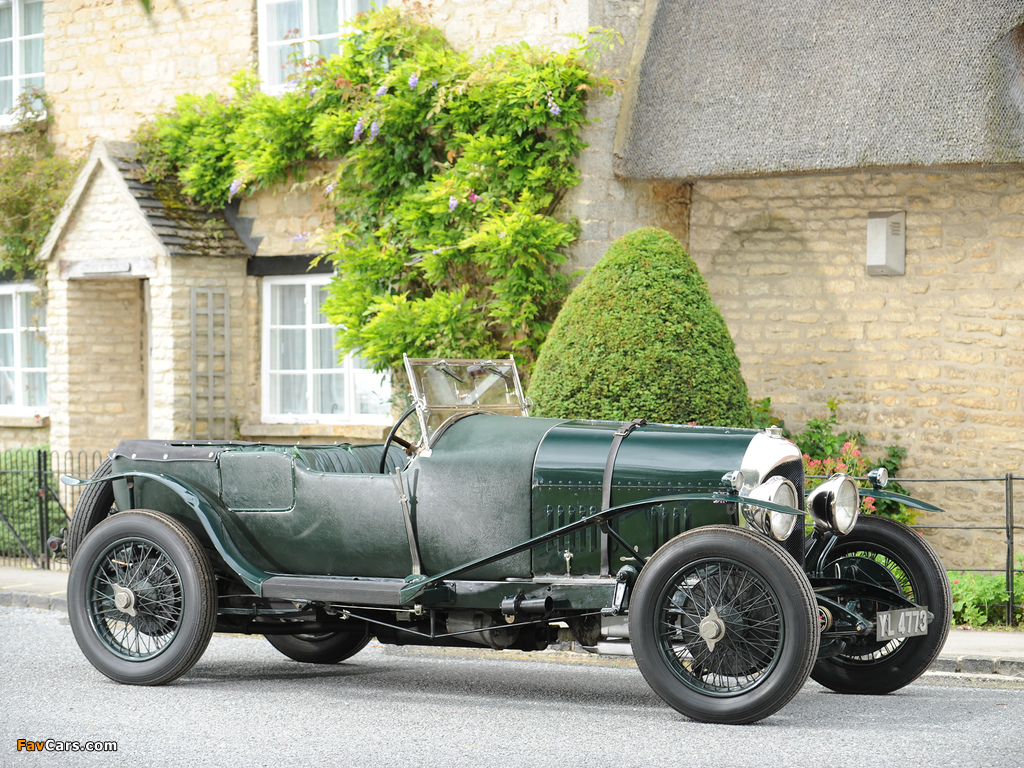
(887, 243)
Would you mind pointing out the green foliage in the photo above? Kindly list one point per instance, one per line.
(34, 182)
(826, 452)
(641, 337)
(980, 599)
(449, 171)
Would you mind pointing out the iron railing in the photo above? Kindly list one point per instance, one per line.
(34, 505)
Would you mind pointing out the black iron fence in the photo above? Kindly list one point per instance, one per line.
(34, 504)
(1011, 570)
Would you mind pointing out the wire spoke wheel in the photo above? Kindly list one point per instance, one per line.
(142, 598)
(135, 600)
(723, 625)
(725, 600)
(887, 554)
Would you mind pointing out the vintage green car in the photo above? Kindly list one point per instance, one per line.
(500, 530)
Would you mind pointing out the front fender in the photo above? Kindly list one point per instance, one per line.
(210, 516)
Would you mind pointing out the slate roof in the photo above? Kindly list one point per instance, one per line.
(184, 228)
(733, 87)
(180, 226)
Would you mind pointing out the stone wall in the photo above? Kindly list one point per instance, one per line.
(96, 372)
(108, 65)
(171, 358)
(933, 359)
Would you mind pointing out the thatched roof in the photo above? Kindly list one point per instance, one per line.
(732, 87)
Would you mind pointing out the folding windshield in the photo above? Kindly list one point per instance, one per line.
(442, 389)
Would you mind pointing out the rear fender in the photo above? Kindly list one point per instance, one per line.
(208, 513)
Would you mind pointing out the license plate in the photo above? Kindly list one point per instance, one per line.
(904, 622)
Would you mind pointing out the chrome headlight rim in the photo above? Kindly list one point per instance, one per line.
(777, 525)
(835, 504)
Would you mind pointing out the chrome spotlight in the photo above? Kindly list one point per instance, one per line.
(835, 504)
(778, 525)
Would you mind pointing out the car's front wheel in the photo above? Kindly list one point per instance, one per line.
(323, 648)
(142, 600)
(723, 625)
(888, 554)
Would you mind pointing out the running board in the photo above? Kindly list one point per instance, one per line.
(335, 589)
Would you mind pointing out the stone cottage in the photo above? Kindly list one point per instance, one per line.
(771, 138)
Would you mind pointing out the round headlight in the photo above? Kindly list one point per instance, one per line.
(835, 504)
(783, 524)
(778, 525)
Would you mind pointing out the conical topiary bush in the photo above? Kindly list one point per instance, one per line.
(641, 337)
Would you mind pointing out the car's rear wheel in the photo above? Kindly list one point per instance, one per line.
(324, 648)
(890, 555)
(723, 625)
(142, 598)
(95, 504)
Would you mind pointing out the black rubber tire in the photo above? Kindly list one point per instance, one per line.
(327, 648)
(872, 667)
(768, 614)
(173, 597)
(95, 505)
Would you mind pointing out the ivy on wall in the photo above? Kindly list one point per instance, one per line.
(34, 182)
(449, 173)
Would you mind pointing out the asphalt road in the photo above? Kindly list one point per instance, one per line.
(245, 704)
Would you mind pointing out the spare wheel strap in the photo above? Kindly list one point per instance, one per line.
(606, 483)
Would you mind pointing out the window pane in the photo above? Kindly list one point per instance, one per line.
(329, 393)
(6, 387)
(288, 393)
(6, 21)
(7, 349)
(33, 349)
(372, 391)
(285, 21)
(6, 59)
(288, 350)
(324, 353)
(327, 19)
(33, 312)
(364, 6)
(7, 312)
(35, 389)
(6, 96)
(32, 18)
(326, 47)
(288, 305)
(319, 297)
(32, 56)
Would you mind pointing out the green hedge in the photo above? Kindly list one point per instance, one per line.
(641, 337)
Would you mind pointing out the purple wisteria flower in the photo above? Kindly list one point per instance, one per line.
(358, 130)
(553, 107)
(233, 189)
(382, 90)
(436, 251)
(303, 236)
(374, 129)
(414, 80)
(329, 189)
(433, 83)
(453, 203)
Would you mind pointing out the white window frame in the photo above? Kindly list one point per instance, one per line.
(22, 292)
(347, 9)
(8, 119)
(267, 416)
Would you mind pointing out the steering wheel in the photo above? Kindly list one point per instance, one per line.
(394, 438)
